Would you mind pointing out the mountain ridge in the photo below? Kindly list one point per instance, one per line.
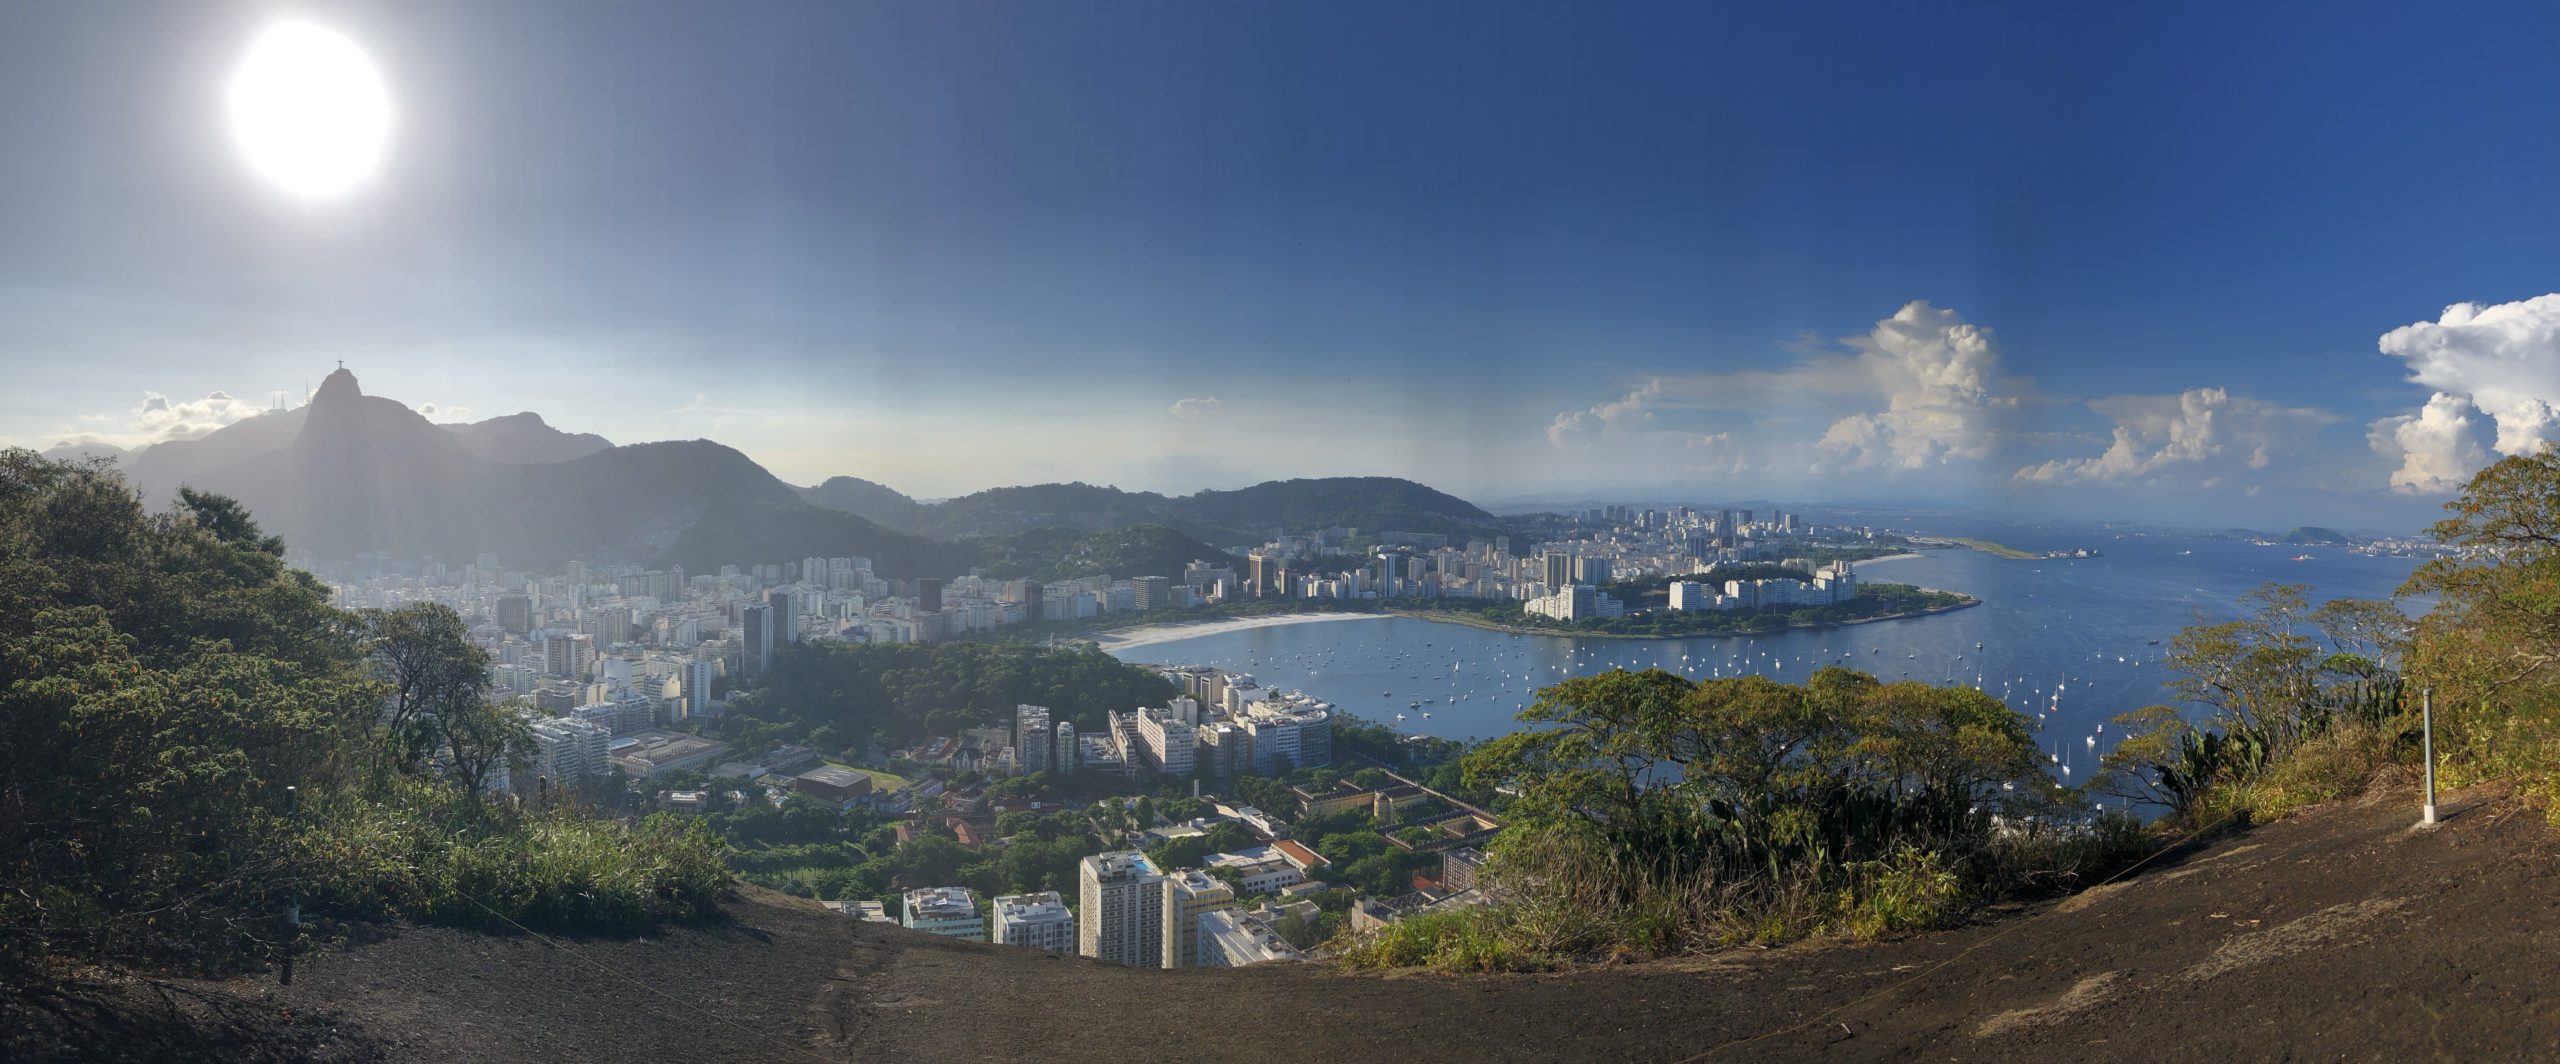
(351, 473)
(1239, 515)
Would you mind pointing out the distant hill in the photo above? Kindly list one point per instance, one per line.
(1065, 553)
(81, 452)
(526, 438)
(350, 473)
(159, 469)
(1243, 515)
(364, 473)
(1371, 504)
(863, 498)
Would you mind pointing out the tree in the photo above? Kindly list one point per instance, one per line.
(162, 678)
(478, 737)
(423, 653)
(1647, 781)
(2490, 649)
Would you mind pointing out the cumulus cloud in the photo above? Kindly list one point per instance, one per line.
(1610, 420)
(160, 419)
(2504, 359)
(1936, 373)
(2204, 433)
(432, 412)
(1194, 409)
(2437, 448)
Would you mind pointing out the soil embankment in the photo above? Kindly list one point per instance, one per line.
(2342, 934)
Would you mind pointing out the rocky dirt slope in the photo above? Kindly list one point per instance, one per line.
(2338, 935)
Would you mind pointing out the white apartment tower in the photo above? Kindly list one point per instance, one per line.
(1187, 895)
(1034, 921)
(1034, 743)
(1120, 909)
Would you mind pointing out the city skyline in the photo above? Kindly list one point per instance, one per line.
(2019, 262)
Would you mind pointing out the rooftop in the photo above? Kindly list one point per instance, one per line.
(940, 903)
(1023, 908)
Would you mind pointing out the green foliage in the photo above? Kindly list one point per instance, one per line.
(162, 676)
(1649, 813)
(1061, 553)
(2486, 649)
(898, 693)
(1463, 940)
(2299, 706)
(163, 679)
(425, 853)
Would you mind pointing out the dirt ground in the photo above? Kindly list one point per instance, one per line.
(2342, 934)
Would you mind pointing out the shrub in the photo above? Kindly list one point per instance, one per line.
(427, 855)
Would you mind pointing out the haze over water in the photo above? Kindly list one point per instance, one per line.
(2042, 625)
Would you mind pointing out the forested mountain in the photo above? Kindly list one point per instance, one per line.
(1063, 553)
(863, 498)
(1244, 515)
(351, 473)
(364, 473)
(526, 438)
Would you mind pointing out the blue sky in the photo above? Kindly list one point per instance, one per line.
(1514, 251)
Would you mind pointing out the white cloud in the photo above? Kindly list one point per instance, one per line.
(1610, 420)
(1936, 373)
(2206, 433)
(160, 419)
(2438, 448)
(1194, 409)
(2499, 359)
(449, 414)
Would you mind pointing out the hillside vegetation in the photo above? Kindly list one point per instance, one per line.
(164, 678)
(1244, 515)
(1062, 554)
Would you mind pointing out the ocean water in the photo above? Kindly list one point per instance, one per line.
(2073, 642)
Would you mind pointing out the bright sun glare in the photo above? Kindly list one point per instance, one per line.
(309, 111)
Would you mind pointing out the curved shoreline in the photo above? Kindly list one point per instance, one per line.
(1491, 626)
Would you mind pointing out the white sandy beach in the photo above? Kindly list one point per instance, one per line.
(1891, 558)
(1163, 633)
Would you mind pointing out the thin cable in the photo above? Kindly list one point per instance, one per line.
(1968, 951)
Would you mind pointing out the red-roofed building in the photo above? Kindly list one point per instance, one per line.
(1297, 853)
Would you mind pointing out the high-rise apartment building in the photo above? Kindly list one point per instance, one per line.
(1120, 909)
(786, 617)
(1153, 592)
(1188, 894)
(1034, 743)
(1166, 742)
(755, 629)
(569, 655)
(1065, 754)
(695, 685)
(515, 613)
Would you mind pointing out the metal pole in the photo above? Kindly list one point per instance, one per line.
(2427, 718)
(292, 899)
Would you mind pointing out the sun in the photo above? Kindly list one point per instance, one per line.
(309, 111)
